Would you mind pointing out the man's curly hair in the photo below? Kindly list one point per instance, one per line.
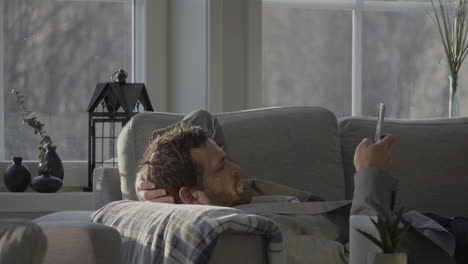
(167, 161)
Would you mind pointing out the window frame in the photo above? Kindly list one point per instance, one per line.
(358, 8)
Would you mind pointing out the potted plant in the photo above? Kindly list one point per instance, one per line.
(391, 231)
(50, 166)
(453, 32)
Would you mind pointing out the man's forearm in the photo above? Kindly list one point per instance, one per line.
(373, 192)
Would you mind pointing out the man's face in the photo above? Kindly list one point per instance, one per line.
(221, 182)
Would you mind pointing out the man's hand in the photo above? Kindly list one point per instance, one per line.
(378, 155)
(146, 191)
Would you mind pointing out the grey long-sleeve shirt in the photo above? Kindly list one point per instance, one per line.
(318, 230)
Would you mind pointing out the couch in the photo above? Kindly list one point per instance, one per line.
(308, 148)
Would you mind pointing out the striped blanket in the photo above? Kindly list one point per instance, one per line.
(168, 233)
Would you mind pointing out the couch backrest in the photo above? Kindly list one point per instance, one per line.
(297, 146)
(429, 160)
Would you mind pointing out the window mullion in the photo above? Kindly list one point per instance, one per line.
(2, 88)
(138, 41)
(356, 68)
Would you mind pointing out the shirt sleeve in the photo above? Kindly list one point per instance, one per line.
(373, 191)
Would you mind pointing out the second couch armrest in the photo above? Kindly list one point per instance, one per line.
(106, 187)
(81, 242)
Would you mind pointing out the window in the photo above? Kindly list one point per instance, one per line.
(405, 67)
(307, 57)
(55, 52)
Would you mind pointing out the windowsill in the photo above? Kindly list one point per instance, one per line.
(31, 204)
(28, 202)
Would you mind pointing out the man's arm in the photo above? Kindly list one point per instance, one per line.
(373, 185)
(147, 191)
(373, 188)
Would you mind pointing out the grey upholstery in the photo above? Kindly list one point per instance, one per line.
(81, 242)
(73, 239)
(83, 216)
(296, 146)
(106, 182)
(429, 160)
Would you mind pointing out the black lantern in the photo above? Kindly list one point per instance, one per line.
(113, 104)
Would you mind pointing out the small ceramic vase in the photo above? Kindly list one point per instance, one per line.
(53, 163)
(46, 183)
(17, 176)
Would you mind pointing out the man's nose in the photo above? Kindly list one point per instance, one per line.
(235, 168)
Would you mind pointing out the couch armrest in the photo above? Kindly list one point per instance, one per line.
(81, 243)
(106, 183)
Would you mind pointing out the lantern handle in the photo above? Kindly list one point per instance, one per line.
(119, 76)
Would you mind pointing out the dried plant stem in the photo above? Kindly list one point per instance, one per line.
(32, 121)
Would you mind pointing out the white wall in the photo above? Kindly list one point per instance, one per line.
(156, 57)
(209, 52)
(234, 54)
(188, 54)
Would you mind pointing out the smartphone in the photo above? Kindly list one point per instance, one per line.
(378, 136)
(380, 121)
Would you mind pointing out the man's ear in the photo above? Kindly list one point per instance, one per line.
(188, 196)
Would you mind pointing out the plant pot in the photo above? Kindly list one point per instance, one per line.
(360, 246)
(387, 258)
(53, 163)
(17, 176)
(46, 183)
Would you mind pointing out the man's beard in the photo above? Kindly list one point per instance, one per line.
(243, 196)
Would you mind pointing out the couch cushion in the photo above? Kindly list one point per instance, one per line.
(295, 146)
(429, 160)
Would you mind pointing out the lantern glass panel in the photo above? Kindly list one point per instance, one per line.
(106, 143)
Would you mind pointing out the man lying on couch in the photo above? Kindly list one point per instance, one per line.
(189, 166)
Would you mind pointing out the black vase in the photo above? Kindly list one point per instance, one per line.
(17, 176)
(53, 163)
(46, 183)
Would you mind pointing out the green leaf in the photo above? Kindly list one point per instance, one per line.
(370, 237)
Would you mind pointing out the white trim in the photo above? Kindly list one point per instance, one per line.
(113, 1)
(156, 54)
(254, 54)
(138, 41)
(350, 5)
(356, 68)
(214, 71)
(2, 86)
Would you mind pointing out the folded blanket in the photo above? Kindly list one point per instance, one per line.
(169, 233)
